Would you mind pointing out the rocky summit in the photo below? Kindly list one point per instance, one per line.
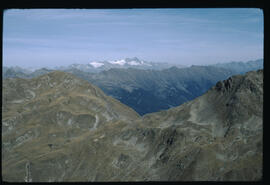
(57, 127)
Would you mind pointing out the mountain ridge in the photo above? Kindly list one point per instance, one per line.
(228, 65)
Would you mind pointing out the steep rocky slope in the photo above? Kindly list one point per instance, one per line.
(48, 113)
(217, 136)
(222, 127)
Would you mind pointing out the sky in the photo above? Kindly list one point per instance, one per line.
(198, 36)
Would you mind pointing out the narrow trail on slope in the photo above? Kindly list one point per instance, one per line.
(96, 122)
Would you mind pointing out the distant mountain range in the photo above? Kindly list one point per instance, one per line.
(148, 90)
(91, 67)
(59, 128)
(241, 67)
(18, 72)
(98, 66)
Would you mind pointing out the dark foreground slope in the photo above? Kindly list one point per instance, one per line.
(217, 136)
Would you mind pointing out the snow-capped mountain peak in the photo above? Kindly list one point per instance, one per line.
(119, 62)
(134, 63)
(129, 61)
(96, 64)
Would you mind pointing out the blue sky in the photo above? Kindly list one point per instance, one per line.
(54, 37)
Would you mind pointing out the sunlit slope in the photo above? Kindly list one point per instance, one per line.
(49, 113)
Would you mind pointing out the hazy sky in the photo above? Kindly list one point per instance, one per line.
(54, 37)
